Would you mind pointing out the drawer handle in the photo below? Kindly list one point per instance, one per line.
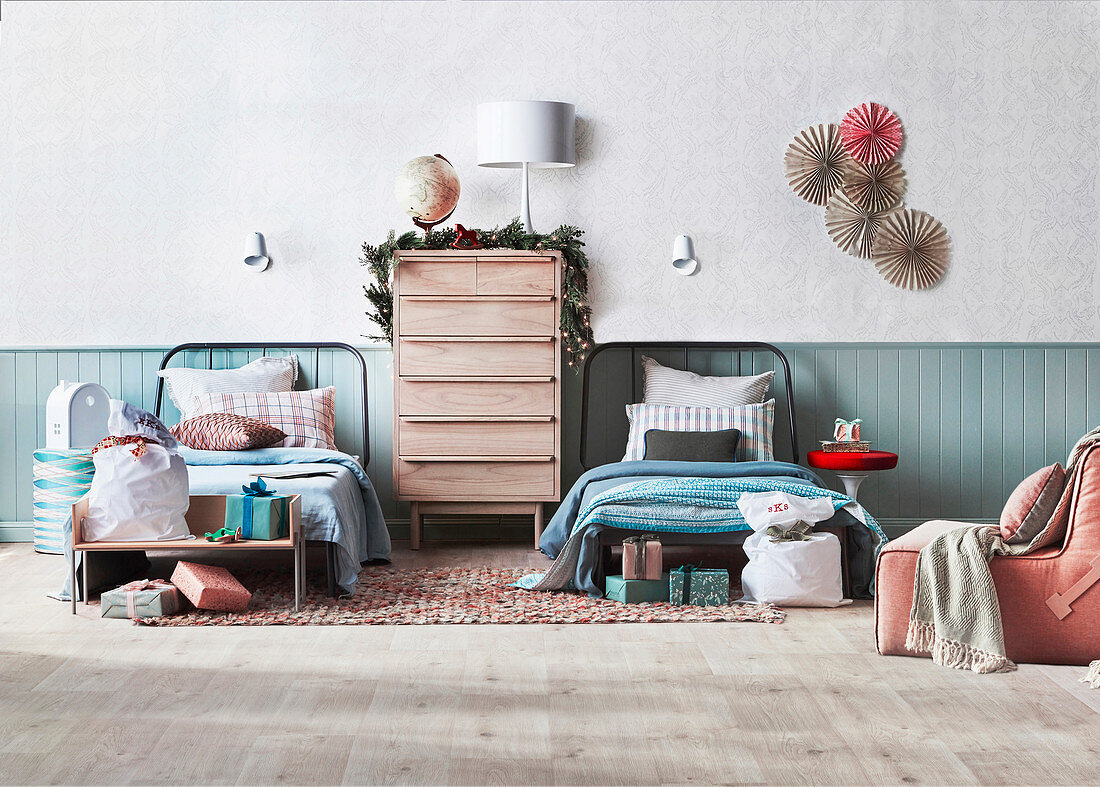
(449, 458)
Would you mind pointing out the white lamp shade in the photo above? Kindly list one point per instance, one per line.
(255, 252)
(537, 133)
(683, 255)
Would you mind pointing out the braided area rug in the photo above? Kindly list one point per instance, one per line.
(399, 597)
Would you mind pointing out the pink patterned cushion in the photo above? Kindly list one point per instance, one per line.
(1032, 504)
(307, 417)
(226, 432)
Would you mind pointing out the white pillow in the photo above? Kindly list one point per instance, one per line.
(264, 375)
(688, 389)
(754, 420)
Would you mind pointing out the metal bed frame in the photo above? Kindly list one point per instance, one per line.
(685, 348)
(710, 544)
(210, 347)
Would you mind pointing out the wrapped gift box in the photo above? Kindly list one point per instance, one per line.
(703, 587)
(635, 591)
(259, 514)
(210, 587)
(642, 557)
(145, 598)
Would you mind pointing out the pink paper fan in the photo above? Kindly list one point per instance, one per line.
(871, 133)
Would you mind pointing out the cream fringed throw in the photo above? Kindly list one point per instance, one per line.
(955, 614)
(1093, 678)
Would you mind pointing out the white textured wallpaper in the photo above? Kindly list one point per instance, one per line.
(140, 142)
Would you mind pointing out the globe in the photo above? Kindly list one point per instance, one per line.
(427, 188)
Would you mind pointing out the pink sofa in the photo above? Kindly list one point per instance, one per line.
(1033, 633)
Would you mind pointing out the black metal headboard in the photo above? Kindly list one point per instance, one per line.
(686, 348)
(210, 347)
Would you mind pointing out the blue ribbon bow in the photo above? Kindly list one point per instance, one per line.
(256, 489)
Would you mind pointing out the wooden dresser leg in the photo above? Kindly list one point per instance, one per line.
(414, 526)
(538, 524)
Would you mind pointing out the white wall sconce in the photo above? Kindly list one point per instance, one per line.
(255, 252)
(683, 255)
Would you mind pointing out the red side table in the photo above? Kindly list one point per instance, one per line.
(852, 467)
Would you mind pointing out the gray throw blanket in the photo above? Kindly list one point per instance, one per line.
(955, 615)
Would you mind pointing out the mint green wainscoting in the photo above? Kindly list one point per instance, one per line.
(968, 421)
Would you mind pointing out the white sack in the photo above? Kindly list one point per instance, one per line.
(793, 573)
(137, 498)
(764, 509)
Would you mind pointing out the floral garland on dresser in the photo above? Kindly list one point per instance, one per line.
(575, 325)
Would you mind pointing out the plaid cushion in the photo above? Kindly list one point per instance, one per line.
(307, 417)
(755, 422)
(226, 432)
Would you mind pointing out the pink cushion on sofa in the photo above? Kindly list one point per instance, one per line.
(1032, 504)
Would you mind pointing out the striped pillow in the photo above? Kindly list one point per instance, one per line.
(755, 422)
(226, 432)
(307, 417)
(264, 374)
(688, 389)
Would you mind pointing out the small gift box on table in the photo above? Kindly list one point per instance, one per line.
(642, 557)
(210, 587)
(259, 512)
(636, 591)
(703, 587)
(143, 598)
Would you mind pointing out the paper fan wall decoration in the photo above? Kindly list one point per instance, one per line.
(911, 249)
(852, 227)
(875, 187)
(871, 133)
(814, 163)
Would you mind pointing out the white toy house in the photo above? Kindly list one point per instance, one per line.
(76, 415)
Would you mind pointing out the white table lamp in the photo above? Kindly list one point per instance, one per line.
(526, 134)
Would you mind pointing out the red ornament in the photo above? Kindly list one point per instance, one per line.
(871, 133)
(466, 239)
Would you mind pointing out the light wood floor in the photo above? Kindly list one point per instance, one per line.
(92, 701)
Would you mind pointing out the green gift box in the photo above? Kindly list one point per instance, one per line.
(145, 598)
(259, 513)
(634, 591)
(703, 587)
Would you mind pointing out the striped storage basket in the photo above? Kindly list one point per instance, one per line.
(61, 477)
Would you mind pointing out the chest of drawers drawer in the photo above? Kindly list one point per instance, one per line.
(446, 397)
(501, 276)
(440, 358)
(430, 277)
(476, 438)
(426, 316)
(473, 480)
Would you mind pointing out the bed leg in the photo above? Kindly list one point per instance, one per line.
(538, 523)
(330, 567)
(414, 525)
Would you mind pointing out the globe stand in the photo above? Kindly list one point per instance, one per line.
(428, 226)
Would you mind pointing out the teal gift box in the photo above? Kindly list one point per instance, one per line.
(703, 587)
(145, 598)
(261, 514)
(635, 591)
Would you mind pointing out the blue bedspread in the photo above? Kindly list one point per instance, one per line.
(691, 497)
(343, 509)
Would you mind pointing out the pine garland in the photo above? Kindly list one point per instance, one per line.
(575, 326)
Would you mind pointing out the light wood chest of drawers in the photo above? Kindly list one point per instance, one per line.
(477, 393)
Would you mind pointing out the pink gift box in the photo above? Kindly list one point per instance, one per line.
(638, 564)
(210, 587)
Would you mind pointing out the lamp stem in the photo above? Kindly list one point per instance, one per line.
(525, 203)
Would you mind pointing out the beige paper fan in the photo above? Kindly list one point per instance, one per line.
(814, 163)
(875, 187)
(851, 227)
(911, 249)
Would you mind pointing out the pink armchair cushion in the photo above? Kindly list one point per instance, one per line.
(1032, 504)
